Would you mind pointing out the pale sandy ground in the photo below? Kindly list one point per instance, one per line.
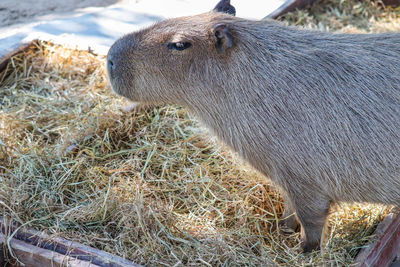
(19, 11)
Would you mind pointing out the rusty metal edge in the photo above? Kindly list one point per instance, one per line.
(382, 252)
(288, 6)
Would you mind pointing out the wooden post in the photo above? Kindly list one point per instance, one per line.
(383, 251)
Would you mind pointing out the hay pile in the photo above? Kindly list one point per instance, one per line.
(349, 16)
(149, 185)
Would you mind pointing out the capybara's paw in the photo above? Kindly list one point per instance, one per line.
(289, 225)
(308, 247)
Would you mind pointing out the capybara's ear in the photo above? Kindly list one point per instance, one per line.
(225, 7)
(223, 38)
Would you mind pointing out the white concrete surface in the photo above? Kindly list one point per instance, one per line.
(98, 28)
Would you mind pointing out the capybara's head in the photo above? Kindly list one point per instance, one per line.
(162, 62)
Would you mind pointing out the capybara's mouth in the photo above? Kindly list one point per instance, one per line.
(121, 91)
(117, 83)
(113, 85)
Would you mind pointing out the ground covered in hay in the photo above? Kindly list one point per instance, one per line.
(149, 185)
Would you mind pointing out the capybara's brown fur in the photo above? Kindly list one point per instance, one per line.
(318, 113)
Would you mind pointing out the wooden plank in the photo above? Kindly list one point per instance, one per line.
(288, 6)
(66, 247)
(32, 256)
(384, 250)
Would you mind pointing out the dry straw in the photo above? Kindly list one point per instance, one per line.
(149, 185)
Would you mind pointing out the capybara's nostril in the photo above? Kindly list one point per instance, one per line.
(110, 67)
(110, 63)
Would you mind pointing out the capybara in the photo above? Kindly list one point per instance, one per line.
(316, 112)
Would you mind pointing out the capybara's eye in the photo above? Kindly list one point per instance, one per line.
(179, 45)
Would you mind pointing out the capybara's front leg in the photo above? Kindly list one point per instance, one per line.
(312, 211)
(289, 222)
